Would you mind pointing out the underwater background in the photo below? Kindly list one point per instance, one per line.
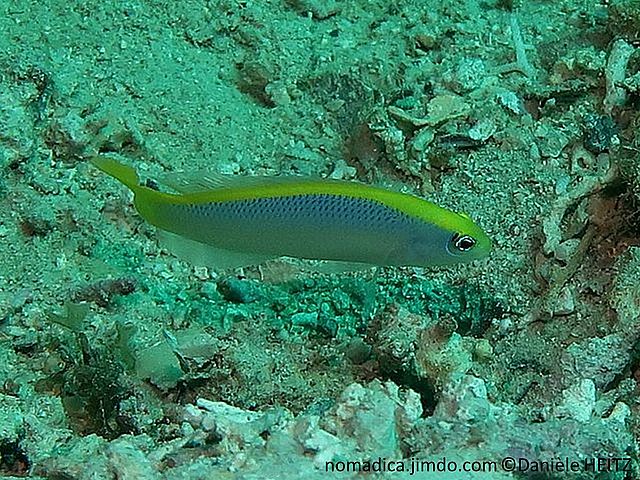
(121, 361)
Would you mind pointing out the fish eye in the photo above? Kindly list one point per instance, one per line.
(463, 243)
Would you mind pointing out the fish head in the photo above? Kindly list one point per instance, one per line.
(467, 241)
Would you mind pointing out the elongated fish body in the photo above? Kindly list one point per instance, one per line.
(307, 218)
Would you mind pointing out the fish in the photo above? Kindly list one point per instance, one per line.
(228, 221)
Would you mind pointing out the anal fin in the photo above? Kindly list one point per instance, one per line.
(204, 255)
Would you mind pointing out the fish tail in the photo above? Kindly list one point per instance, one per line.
(117, 170)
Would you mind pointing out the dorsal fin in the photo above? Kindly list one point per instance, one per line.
(205, 181)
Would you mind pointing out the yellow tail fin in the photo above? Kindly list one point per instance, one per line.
(117, 170)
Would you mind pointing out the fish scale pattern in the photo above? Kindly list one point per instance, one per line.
(317, 209)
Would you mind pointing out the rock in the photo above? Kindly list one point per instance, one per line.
(374, 417)
(578, 401)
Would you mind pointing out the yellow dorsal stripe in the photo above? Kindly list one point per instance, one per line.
(410, 205)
